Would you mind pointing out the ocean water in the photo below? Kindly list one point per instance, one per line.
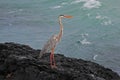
(92, 34)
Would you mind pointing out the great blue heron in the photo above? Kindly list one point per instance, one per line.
(51, 43)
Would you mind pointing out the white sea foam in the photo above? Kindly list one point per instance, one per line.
(84, 35)
(20, 9)
(94, 57)
(89, 4)
(107, 22)
(84, 42)
(105, 19)
(98, 17)
(56, 7)
(11, 12)
(64, 3)
(59, 6)
(92, 4)
(78, 1)
(101, 17)
(14, 11)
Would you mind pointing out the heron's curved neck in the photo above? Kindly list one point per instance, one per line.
(61, 29)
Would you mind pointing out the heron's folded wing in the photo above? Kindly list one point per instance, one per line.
(48, 46)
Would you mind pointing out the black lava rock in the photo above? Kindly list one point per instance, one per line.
(20, 62)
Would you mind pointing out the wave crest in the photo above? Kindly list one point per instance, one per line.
(89, 4)
(92, 4)
(84, 42)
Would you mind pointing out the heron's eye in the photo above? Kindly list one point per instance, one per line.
(62, 15)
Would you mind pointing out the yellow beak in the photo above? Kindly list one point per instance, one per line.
(68, 16)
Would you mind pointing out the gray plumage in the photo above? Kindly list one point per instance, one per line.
(51, 43)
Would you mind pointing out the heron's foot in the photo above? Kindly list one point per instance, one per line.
(53, 66)
(8, 77)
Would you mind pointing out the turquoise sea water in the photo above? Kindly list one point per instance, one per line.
(93, 34)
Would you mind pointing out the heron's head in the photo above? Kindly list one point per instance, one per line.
(65, 16)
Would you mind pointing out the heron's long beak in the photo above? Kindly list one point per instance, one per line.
(67, 16)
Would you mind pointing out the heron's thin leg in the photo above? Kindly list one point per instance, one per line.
(52, 60)
(51, 57)
(54, 64)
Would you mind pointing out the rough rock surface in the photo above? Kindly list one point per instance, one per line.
(20, 62)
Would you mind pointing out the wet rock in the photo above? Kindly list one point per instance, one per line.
(20, 62)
